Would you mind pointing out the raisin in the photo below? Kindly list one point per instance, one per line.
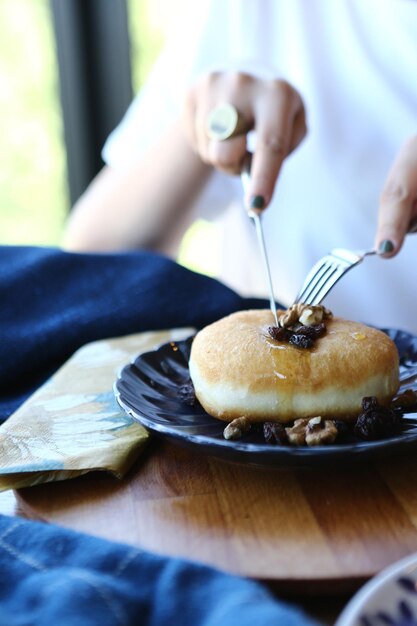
(274, 432)
(376, 421)
(314, 332)
(369, 403)
(301, 341)
(344, 430)
(298, 335)
(405, 401)
(279, 334)
(187, 393)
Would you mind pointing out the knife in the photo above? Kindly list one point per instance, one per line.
(256, 216)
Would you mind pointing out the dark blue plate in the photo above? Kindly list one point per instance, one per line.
(150, 389)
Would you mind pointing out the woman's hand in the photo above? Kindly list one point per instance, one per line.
(271, 107)
(398, 205)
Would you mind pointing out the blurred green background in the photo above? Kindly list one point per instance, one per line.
(34, 198)
(33, 188)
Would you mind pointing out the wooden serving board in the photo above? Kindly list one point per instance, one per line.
(319, 531)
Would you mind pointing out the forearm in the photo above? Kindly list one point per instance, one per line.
(144, 205)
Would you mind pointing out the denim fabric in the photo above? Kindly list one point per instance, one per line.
(55, 577)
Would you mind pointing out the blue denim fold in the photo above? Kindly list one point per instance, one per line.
(53, 576)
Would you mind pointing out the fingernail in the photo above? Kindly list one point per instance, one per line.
(385, 247)
(257, 202)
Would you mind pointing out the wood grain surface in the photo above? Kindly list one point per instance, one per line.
(304, 531)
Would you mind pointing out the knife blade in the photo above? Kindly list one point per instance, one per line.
(256, 216)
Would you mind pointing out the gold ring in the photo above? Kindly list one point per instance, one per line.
(225, 122)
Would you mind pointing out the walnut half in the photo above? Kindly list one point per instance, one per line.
(237, 428)
(314, 432)
(297, 434)
(307, 315)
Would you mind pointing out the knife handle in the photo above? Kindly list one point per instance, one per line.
(245, 171)
(245, 178)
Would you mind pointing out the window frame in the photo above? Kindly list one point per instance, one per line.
(94, 60)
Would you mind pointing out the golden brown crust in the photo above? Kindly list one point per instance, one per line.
(236, 366)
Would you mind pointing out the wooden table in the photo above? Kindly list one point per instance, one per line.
(310, 534)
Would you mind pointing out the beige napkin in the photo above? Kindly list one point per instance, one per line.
(72, 424)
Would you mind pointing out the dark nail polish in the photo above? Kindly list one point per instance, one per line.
(257, 202)
(385, 247)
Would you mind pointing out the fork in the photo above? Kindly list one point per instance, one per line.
(329, 270)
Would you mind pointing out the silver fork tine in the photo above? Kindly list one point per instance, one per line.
(314, 279)
(332, 279)
(326, 273)
(339, 261)
(320, 283)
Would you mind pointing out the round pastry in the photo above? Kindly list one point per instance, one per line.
(239, 369)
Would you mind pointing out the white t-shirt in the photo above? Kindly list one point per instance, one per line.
(355, 64)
